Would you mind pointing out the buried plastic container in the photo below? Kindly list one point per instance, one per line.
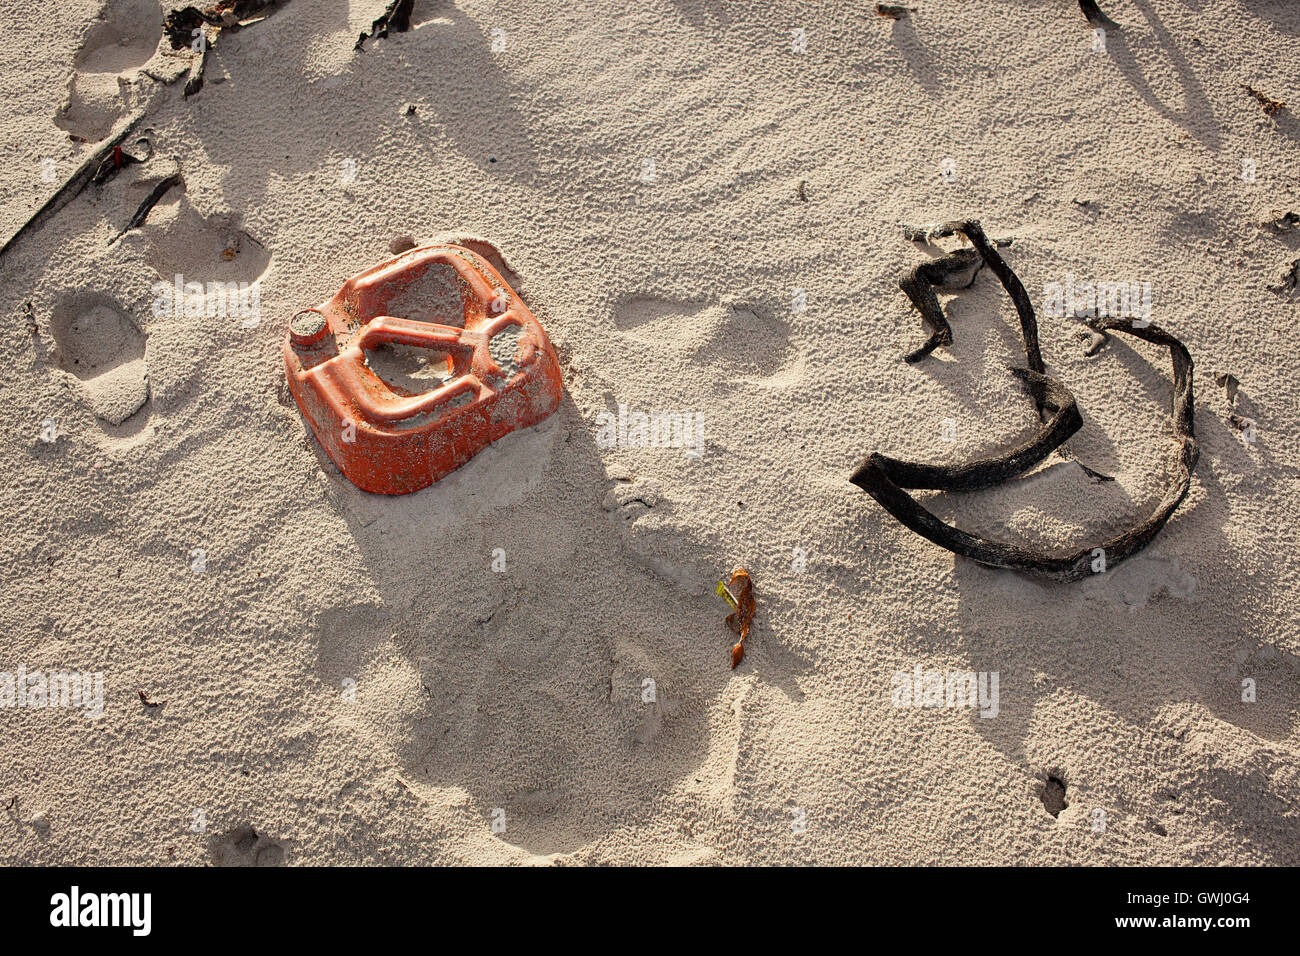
(417, 365)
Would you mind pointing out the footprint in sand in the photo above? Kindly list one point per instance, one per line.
(99, 344)
(244, 846)
(743, 342)
(739, 347)
(201, 249)
(90, 109)
(121, 39)
(654, 535)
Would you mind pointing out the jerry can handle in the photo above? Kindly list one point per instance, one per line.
(386, 328)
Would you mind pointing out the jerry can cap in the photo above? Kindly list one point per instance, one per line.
(308, 327)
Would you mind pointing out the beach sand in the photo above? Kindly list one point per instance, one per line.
(526, 663)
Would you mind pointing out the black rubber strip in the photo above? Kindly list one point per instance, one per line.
(884, 478)
(142, 211)
(987, 472)
(1095, 16)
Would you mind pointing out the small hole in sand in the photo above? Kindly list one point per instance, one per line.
(1053, 795)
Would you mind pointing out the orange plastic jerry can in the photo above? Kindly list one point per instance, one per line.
(417, 365)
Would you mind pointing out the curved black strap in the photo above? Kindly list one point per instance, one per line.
(885, 478)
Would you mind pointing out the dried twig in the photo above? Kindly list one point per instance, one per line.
(1270, 105)
(148, 701)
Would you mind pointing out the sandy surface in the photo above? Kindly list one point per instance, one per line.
(345, 678)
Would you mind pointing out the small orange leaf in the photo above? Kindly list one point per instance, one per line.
(742, 587)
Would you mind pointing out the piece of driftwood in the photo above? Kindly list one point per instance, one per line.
(920, 282)
(1064, 421)
(885, 478)
(942, 273)
(919, 285)
(79, 180)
